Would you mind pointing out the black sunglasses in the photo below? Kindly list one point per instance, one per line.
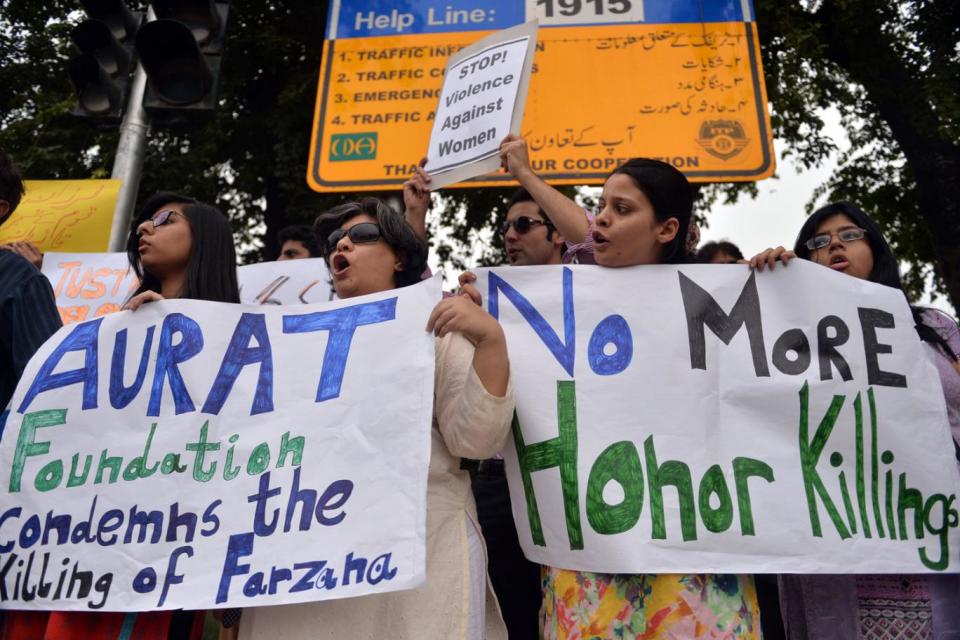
(522, 224)
(362, 233)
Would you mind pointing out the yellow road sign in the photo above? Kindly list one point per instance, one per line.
(688, 92)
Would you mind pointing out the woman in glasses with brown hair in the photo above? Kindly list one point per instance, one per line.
(370, 248)
(840, 236)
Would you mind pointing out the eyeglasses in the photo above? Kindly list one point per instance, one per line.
(844, 235)
(161, 218)
(522, 224)
(362, 233)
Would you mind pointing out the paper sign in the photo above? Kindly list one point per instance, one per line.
(64, 215)
(482, 99)
(199, 455)
(285, 282)
(89, 285)
(718, 420)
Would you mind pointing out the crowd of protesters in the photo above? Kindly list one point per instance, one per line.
(182, 248)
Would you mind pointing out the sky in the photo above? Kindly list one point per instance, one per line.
(775, 216)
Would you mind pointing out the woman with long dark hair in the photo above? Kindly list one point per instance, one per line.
(179, 248)
(643, 218)
(842, 237)
(182, 248)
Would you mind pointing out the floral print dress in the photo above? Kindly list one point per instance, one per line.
(579, 605)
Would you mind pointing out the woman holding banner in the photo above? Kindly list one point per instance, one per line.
(840, 236)
(182, 248)
(178, 248)
(370, 248)
(643, 218)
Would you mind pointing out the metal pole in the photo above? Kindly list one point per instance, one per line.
(128, 164)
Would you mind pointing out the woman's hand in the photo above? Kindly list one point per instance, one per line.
(769, 258)
(416, 199)
(514, 157)
(140, 299)
(459, 313)
(466, 279)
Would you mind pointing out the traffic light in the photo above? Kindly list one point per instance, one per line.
(99, 74)
(180, 52)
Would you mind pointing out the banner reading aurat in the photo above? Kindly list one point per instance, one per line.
(198, 455)
(704, 419)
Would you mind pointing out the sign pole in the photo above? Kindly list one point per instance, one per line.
(128, 164)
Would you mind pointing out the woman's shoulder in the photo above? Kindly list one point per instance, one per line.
(938, 319)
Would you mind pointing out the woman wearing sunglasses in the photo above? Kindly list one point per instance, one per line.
(842, 237)
(370, 248)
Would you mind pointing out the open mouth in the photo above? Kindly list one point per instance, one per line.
(839, 262)
(599, 241)
(339, 264)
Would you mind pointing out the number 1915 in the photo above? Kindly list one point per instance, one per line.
(589, 7)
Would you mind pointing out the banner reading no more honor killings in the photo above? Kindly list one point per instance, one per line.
(199, 455)
(704, 419)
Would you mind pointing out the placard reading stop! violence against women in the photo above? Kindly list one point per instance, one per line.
(481, 102)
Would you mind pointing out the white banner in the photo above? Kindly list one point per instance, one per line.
(706, 419)
(285, 282)
(199, 455)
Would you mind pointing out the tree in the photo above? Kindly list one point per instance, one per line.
(249, 156)
(890, 66)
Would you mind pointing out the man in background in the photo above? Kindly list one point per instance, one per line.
(297, 242)
(529, 237)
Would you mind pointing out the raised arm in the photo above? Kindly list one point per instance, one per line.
(565, 214)
(416, 200)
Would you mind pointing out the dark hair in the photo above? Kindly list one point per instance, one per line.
(394, 229)
(671, 196)
(886, 270)
(11, 184)
(212, 269)
(301, 233)
(522, 195)
(708, 251)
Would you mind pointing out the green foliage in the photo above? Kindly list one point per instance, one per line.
(249, 157)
